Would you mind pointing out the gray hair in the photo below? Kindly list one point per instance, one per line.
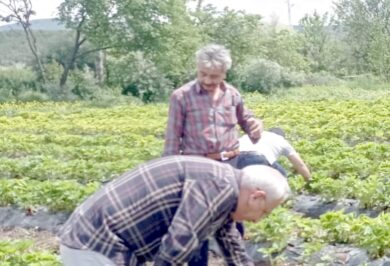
(267, 179)
(214, 56)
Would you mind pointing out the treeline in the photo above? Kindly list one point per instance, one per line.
(146, 49)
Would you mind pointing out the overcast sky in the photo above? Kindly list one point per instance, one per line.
(266, 8)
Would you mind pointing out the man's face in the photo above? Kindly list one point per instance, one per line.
(210, 78)
(255, 208)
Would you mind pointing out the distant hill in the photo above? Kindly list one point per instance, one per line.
(49, 24)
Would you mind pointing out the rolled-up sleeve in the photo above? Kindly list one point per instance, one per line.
(232, 245)
(243, 114)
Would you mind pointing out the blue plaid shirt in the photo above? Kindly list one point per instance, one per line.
(161, 211)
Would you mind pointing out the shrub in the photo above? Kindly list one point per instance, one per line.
(293, 79)
(56, 93)
(30, 96)
(139, 76)
(107, 97)
(321, 78)
(17, 80)
(83, 84)
(365, 81)
(6, 96)
(259, 75)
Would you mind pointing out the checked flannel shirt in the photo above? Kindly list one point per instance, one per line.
(161, 211)
(197, 127)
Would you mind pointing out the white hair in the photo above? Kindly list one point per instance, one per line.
(214, 56)
(267, 179)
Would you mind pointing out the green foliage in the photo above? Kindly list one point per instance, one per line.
(316, 41)
(17, 80)
(20, 253)
(282, 226)
(14, 49)
(28, 96)
(139, 77)
(259, 75)
(238, 31)
(56, 195)
(293, 79)
(321, 79)
(284, 47)
(366, 28)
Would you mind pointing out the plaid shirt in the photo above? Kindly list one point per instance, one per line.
(160, 211)
(197, 127)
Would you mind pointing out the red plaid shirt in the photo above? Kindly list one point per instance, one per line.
(197, 127)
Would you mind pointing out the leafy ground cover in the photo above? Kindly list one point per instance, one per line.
(56, 154)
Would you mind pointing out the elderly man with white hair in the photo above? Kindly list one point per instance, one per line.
(163, 210)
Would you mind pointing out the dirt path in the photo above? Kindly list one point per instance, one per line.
(44, 240)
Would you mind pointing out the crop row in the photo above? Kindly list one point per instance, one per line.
(282, 226)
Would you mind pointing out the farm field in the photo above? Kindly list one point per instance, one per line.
(53, 155)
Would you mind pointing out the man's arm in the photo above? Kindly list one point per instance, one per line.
(299, 165)
(203, 203)
(174, 131)
(232, 245)
(250, 125)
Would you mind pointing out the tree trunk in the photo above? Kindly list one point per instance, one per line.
(100, 60)
(71, 59)
(31, 40)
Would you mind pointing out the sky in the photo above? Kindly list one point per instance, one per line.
(268, 9)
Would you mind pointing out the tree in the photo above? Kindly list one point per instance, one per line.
(161, 29)
(242, 33)
(20, 11)
(284, 47)
(316, 40)
(366, 25)
(76, 15)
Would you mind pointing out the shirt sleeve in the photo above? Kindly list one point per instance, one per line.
(243, 114)
(174, 131)
(204, 205)
(288, 149)
(232, 245)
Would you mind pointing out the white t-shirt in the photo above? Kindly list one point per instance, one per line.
(271, 145)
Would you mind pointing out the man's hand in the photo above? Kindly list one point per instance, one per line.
(255, 127)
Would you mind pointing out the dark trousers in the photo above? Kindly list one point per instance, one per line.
(251, 158)
(200, 257)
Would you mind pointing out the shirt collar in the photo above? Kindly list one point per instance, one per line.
(199, 89)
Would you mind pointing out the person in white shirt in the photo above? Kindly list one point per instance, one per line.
(271, 146)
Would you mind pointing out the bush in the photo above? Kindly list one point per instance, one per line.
(293, 79)
(56, 93)
(259, 75)
(321, 78)
(17, 80)
(365, 81)
(6, 96)
(107, 97)
(83, 84)
(138, 76)
(30, 96)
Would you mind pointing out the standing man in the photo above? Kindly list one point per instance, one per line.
(162, 210)
(203, 117)
(204, 113)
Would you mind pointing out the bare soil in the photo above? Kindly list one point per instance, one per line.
(44, 240)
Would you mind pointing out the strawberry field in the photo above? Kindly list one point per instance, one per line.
(53, 155)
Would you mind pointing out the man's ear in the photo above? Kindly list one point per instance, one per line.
(258, 194)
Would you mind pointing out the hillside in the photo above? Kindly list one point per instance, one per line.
(14, 49)
(49, 24)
